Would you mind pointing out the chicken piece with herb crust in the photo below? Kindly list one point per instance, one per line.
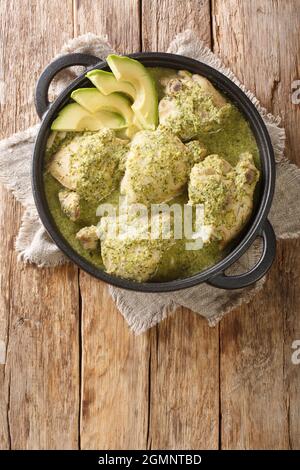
(156, 169)
(197, 150)
(192, 106)
(226, 193)
(90, 164)
(134, 253)
(88, 237)
(70, 204)
(240, 206)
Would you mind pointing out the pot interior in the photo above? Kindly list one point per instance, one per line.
(263, 193)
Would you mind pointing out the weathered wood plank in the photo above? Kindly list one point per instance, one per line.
(163, 19)
(184, 407)
(117, 19)
(39, 317)
(115, 368)
(253, 408)
(39, 384)
(260, 386)
(262, 46)
(115, 364)
(289, 266)
(184, 411)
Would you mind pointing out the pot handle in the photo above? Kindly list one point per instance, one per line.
(41, 92)
(258, 271)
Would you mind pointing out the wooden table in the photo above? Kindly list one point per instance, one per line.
(75, 376)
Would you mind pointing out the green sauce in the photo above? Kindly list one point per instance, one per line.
(66, 227)
(233, 139)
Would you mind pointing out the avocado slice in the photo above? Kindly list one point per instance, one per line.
(145, 105)
(107, 83)
(93, 101)
(74, 117)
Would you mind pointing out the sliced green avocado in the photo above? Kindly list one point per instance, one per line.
(107, 83)
(94, 101)
(145, 105)
(74, 117)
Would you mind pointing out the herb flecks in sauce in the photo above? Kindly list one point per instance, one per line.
(157, 167)
(221, 131)
(188, 110)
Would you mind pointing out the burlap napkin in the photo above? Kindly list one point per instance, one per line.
(145, 310)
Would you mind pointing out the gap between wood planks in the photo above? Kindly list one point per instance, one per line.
(212, 34)
(80, 361)
(80, 332)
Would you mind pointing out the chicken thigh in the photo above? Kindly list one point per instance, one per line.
(192, 106)
(226, 193)
(134, 253)
(90, 164)
(156, 169)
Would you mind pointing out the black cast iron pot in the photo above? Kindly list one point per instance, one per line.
(258, 226)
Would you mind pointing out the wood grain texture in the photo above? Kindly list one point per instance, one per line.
(184, 388)
(115, 369)
(184, 406)
(39, 308)
(289, 275)
(252, 374)
(74, 375)
(259, 384)
(118, 20)
(163, 19)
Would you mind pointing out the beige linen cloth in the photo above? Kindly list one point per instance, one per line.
(142, 311)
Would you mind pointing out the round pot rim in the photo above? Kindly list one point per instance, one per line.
(254, 227)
